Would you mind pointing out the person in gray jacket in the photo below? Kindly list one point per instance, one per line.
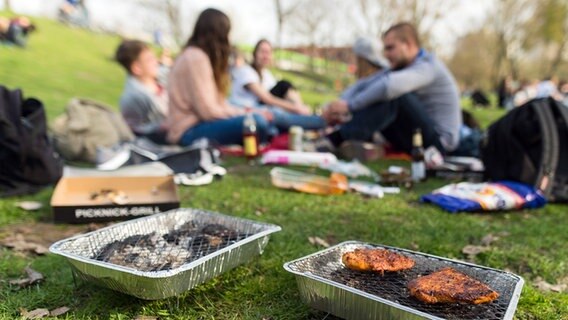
(144, 101)
(418, 91)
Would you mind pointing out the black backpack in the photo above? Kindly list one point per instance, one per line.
(27, 158)
(530, 145)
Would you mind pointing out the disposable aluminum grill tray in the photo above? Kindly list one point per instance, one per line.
(165, 254)
(327, 285)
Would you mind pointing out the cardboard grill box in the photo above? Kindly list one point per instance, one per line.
(72, 200)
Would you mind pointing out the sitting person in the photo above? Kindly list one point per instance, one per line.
(526, 92)
(255, 86)
(74, 12)
(418, 92)
(198, 83)
(144, 102)
(563, 89)
(549, 88)
(15, 31)
(369, 60)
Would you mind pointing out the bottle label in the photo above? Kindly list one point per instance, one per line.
(250, 146)
(418, 171)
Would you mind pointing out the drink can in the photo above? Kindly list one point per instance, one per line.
(295, 136)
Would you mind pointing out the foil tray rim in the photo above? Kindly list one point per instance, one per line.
(309, 275)
(54, 248)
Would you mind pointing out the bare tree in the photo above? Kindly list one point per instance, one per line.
(309, 21)
(473, 67)
(282, 15)
(425, 15)
(548, 29)
(377, 15)
(509, 22)
(171, 10)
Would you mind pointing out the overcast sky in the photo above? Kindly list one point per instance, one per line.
(251, 19)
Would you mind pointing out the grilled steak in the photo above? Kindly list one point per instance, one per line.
(377, 260)
(450, 286)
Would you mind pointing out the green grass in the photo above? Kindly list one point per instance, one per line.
(61, 63)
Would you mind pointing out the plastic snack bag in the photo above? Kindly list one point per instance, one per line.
(494, 196)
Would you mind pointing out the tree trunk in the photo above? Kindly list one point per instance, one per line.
(172, 11)
(557, 57)
(280, 19)
(7, 5)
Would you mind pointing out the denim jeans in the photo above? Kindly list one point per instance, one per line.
(396, 120)
(283, 120)
(225, 131)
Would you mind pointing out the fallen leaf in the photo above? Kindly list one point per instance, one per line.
(471, 251)
(331, 239)
(474, 250)
(489, 239)
(318, 241)
(17, 242)
(146, 318)
(44, 234)
(260, 211)
(542, 285)
(59, 311)
(33, 277)
(29, 205)
(414, 246)
(34, 314)
(563, 281)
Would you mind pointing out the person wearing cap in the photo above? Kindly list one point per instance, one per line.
(369, 60)
(418, 91)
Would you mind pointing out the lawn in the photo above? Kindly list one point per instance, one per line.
(61, 63)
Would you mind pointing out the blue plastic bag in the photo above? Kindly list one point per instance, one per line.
(490, 196)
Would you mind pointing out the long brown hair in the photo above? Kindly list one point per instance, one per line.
(254, 63)
(211, 34)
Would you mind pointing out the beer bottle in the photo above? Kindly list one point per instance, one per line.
(418, 168)
(250, 138)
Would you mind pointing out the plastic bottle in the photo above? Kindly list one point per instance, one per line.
(418, 168)
(250, 138)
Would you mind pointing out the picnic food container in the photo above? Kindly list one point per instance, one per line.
(183, 255)
(326, 284)
(84, 199)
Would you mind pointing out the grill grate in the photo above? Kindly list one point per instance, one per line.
(148, 248)
(393, 286)
(160, 252)
(164, 254)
